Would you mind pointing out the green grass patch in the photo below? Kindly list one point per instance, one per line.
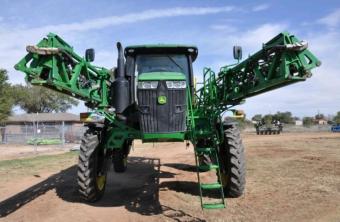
(35, 165)
(40, 141)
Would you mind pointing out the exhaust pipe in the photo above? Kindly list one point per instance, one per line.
(120, 61)
(120, 91)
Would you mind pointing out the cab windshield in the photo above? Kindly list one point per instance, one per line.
(162, 63)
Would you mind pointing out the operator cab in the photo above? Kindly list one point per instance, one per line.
(148, 63)
(162, 80)
(162, 58)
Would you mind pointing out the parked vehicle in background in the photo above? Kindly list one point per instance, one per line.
(275, 127)
(336, 128)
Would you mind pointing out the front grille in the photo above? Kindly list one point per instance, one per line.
(166, 118)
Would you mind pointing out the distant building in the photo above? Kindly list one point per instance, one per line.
(321, 121)
(298, 122)
(20, 128)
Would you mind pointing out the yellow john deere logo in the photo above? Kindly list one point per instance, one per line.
(161, 100)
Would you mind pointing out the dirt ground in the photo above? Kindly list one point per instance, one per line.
(290, 177)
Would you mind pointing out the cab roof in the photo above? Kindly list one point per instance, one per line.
(162, 48)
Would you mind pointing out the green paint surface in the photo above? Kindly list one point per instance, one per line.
(161, 46)
(153, 76)
(179, 136)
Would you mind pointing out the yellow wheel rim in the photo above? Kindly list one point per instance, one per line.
(101, 182)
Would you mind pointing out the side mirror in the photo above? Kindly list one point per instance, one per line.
(89, 55)
(237, 51)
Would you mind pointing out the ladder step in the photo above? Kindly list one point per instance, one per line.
(213, 206)
(210, 186)
(208, 167)
(204, 149)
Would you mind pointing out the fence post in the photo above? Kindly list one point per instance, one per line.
(35, 128)
(63, 134)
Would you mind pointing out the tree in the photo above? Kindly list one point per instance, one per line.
(319, 116)
(268, 119)
(42, 100)
(6, 101)
(284, 117)
(336, 119)
(257, 117)
(308, 121)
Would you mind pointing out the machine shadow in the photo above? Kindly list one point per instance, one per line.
(137, 190)
(181, 166)
(13, 203)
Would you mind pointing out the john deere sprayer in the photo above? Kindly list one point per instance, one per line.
(151, 95)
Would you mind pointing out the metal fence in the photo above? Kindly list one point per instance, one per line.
(41, 133)
(32, 133)
(294, 128)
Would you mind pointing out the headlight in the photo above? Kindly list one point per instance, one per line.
(147, 85)
(176, 84)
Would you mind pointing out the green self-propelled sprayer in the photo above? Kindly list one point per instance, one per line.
(151, 95)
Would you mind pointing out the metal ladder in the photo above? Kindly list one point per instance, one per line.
(206, 187)
(203, 187)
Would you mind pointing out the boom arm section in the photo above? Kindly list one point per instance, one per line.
(281, 61)
(54, 64)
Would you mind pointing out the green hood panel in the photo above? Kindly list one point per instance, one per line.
(163, 137)
(154, 76)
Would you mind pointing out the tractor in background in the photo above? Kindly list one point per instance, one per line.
(264, 128)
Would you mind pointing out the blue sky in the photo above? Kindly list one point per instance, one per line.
(214, 26)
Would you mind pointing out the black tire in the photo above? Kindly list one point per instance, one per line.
(92, 169)
(119, 161)
(120, 158)
(233, 163)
